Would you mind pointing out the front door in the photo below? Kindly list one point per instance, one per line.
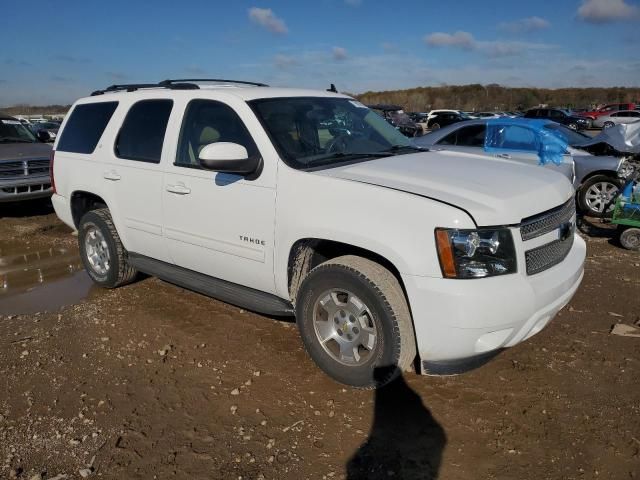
(214, 223)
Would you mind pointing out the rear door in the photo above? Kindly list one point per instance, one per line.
(523, 143)
(134, 174)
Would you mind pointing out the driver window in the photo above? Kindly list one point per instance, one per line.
(208, 121)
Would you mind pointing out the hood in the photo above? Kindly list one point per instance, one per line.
(493, 191)
(24, 151)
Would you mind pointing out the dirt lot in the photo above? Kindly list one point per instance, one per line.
(152, 381)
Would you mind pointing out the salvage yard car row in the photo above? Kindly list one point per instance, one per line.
(134, 165)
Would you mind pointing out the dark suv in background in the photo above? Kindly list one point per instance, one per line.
(396, 116)
(24, 163)
(564, 117)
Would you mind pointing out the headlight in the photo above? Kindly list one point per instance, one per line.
(475, 253)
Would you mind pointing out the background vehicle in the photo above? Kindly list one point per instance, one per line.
(420, 119)
(50, 128)
(442, 119)
(627, 213)
(607, 109)
(395, 115)
(557, 115)
(616, 118)
(286, 200)
(24, 163)
(487, 115)
(596, 177)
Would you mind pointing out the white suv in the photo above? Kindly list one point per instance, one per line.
(303, 202)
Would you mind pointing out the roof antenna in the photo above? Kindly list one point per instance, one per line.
(332, 88)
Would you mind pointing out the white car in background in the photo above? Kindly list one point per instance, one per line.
(616, 118)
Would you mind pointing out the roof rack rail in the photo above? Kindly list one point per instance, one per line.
(179, 84)
(217, 80)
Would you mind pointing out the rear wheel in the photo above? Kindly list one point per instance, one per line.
(355, 323)
(630, 238)
(596, 193)
(101, 250)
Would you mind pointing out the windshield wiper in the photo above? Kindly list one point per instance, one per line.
(341, 156)
(398, 148)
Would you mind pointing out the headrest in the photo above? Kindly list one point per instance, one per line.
(209, 135)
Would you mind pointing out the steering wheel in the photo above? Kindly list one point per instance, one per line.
(339, 144)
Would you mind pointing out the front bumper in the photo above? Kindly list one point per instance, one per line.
(456, 320)
(30, 187)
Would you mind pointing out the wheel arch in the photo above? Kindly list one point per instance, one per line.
(83, 202)
(609, 173)
(307, 253)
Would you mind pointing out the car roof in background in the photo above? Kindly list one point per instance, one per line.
(436, 135)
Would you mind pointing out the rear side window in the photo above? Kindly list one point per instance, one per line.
(472, 136)
(142, 133)
(85, 126)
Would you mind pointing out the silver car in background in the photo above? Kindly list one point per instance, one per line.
(595, 178)
(616, 118)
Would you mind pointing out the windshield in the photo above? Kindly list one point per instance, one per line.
(571, 136)
(324, 131)
(12, 131)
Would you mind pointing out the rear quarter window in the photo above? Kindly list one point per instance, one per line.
(85, 127)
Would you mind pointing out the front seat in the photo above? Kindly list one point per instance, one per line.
(206, 136)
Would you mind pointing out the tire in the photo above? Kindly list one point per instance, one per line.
(607, 125)
(573, 126)
(330, 298)
(102, 253)
(435, 126)
(588, 201)
(630, 238)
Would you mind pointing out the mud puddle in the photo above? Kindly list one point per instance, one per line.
(40, 280)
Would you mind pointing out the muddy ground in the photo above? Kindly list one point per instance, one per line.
(152, 381)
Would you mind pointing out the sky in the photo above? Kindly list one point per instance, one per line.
(55, 51)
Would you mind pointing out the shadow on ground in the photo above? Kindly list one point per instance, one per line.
(27, 208)
(405, 440)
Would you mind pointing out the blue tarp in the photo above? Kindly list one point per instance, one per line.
(525, 135)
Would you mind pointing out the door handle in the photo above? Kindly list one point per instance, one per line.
(179, 189)
(112, 175)
(503, 155)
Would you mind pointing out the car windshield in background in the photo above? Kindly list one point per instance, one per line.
(323, 131)
(12, 131)
(571, 136)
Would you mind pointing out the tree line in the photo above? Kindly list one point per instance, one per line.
(477, 97)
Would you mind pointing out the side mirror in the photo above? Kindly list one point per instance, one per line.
(228, 157)
(43, 136)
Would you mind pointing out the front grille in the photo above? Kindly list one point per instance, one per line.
(542, 258)
(546, 222)
(24, 168)
(11, 169)
(17, 190)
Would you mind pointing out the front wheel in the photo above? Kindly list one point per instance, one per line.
(630, 238)
(435, 126)
(596, 193)
(573, 126)
(101, 250)
(608, 124)
(355, 323)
